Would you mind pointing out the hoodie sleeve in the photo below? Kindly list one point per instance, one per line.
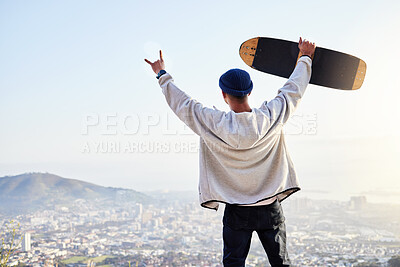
(198, 118)
(282, 107)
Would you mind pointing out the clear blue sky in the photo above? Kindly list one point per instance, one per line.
(62, 61)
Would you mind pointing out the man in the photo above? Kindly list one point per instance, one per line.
(244, 162)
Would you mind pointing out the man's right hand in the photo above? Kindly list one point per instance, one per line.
(306, 48)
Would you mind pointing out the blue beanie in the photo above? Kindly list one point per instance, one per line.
(236, 82)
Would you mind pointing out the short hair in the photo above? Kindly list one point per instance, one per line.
(239, 99)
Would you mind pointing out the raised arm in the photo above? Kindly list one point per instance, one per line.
(198, 118)
(282, 107)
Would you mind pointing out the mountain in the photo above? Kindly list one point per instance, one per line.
(31, 191)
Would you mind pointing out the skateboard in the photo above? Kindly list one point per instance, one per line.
(330, 68)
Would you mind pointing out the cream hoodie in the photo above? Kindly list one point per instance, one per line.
(243, 156)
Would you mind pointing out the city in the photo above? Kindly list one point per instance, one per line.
(176, 231)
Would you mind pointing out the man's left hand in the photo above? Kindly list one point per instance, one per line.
(157, 65)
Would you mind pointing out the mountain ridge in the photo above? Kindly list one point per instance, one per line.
(35, 190)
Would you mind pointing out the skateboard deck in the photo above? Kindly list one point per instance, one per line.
(330, 68)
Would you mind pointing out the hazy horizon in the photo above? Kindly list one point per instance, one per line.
(78, 100)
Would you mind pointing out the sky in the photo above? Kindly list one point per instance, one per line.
(78, 100)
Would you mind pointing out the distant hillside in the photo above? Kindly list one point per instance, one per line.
(37, 190)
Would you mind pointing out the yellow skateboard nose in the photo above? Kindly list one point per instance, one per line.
(360, 75)
(248, 50)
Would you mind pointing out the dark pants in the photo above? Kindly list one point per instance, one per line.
(269, 223)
